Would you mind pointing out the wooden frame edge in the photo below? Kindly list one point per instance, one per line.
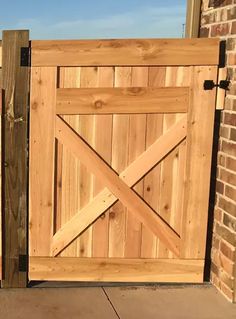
(116, 269)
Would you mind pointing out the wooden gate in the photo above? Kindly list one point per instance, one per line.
(120, 152)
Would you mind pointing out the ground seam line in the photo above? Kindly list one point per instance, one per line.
(111, 303)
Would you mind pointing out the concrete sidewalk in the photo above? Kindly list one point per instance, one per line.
(200, 302)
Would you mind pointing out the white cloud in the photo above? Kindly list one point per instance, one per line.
(142, 22)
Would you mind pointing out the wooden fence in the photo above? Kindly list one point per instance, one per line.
(120, 143)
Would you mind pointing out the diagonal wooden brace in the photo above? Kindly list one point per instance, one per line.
(119, 186)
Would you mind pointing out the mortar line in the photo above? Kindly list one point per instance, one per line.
(109, 300)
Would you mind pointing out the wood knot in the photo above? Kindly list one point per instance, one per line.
(112, 215)
(148, 189)
(34, 106)
(98, 104)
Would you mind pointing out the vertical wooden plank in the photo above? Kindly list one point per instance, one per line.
(120, 144)
(137, 140)
(1, 102)
(103, 140)
(167, 167)
(152, 180)
(41, 168)
(88, 78)
(15, 82)
(198, 163)
(70, 165)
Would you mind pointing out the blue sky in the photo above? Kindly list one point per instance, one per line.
(52, 19)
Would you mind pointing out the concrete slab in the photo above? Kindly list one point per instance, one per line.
(50, 303)
(165, 302)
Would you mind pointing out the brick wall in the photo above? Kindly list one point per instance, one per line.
(218, 19)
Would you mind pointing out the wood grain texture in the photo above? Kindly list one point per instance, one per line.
(120, 147)
(133, 173)
(137, 145)
(68, 178)
(42, 142)
(198, 164)
(152, 179)
(128, 52)
(116, 269)
(220, 96)
(102, 145)
(122, 100)
(15, 82)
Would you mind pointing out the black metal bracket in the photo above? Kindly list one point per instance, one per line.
(25, 56)
(210, 85)
(23, 263)
(222, 54)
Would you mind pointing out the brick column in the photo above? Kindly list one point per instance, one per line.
(218, 19)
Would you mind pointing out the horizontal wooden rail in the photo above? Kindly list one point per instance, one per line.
(129, 270)
(122, 100)
(127, 52)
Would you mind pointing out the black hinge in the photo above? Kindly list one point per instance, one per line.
(25, 56)
(23, 263)
(210, 84)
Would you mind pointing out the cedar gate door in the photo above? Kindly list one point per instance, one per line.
(120, 152)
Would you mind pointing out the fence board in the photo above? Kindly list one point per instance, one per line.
(102, 269)
(42, 141)
(198, 165)
(15, 82)
(130, 52)
(103, 141)
(122, 100)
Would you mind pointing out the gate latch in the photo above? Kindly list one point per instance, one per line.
(210, 84)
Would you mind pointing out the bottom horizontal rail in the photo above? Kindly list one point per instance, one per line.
(116, 269)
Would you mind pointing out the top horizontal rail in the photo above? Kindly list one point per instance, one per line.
(126, 52)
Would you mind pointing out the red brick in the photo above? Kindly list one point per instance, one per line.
(229, 148)
(227, 291)
(230, 192)
(219, 3)
(226, 234)
(224, 132)
(221, 159)
(233, 29)
(232, 134)
(215, 242)
(219, 29)
(228, 100)
(231, 75)
(218, 215)
(220, 187)
(227, 250)
(234, 104)
(232, 89)
(231, 164)
(226, 264)
(227, 206)
(228, 177)
(230, 119)
(231, 14)
(204, 32)
(229, 221)
(231, 44)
